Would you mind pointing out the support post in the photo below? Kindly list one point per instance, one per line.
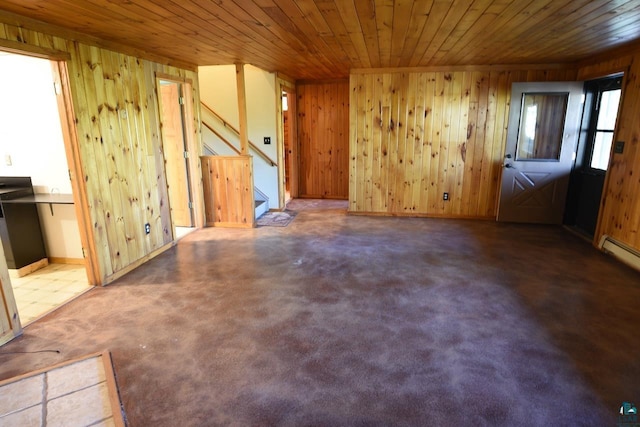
(242, 110)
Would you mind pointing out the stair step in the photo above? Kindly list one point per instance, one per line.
(261, 207)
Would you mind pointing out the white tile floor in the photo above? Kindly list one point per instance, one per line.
(80, 393)
(46, 289)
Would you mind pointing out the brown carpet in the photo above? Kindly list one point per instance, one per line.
(343, 320)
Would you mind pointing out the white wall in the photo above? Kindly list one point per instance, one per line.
(219, 91)
(31, 140)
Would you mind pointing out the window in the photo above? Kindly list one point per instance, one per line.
(606, 108)
(541, 126)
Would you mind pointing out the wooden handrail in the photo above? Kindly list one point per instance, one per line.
(222, 138)
(237, 132)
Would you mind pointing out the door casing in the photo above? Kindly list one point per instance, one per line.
(174, 148)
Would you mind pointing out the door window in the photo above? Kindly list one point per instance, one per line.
(607, 110)
(541, 126)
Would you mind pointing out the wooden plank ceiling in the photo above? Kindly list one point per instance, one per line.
(320, 39)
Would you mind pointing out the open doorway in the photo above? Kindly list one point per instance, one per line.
(602, 101)
(33, 145)
(289, 174)
(175, 117)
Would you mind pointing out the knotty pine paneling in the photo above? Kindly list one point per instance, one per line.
(228, 191)
(323, 137)
(117, 125)
(417, 135)
(620, 209)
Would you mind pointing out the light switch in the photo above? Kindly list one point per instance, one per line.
(7, 159)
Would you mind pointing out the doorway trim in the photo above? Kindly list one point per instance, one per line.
(286, 85)
(191, 128)
(623, 84)
(74, 162)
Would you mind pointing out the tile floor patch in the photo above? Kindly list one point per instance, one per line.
(78, 393)
(47, 288)
(30, 417)
(70, 378)
(21, 394)
(85, 407)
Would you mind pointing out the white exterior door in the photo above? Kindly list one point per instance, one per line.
(542, 137)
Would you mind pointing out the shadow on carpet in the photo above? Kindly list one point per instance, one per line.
(276, 219)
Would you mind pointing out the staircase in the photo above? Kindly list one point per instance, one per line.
(220, 127)
(261, 199)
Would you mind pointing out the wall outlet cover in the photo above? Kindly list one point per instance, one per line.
(267, 140)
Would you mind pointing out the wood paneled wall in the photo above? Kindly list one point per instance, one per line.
(417, 135)
(620, 209)
(228, 191)
(117, 126)
(323, 136)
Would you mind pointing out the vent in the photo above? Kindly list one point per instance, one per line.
(621, 251)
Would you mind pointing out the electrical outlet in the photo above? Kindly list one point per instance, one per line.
(445, 196)
(267, 140)
(147, 228)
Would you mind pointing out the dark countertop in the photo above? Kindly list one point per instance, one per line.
(62, 199)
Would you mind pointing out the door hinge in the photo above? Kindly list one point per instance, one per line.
(56, 88)
(190, 205)
(181, 100)
(84, 255)
(70, 177)
(186, 154)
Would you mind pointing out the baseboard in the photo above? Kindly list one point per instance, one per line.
(28, 269)
(421, 215)
(61, 260)
(321, 197)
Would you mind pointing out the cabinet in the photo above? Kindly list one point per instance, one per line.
(20, 231)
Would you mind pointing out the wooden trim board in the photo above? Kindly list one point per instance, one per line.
(28, 269)
(62, 260)
(418, 215)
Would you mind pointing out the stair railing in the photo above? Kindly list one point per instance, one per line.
(237, 133)
(222, 138)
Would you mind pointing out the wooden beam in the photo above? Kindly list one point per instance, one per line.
(242, 109)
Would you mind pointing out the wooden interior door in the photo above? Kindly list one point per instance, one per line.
(542, 135)
(323, 139)
(175, 160)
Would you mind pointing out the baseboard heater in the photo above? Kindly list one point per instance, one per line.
(621, 251)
